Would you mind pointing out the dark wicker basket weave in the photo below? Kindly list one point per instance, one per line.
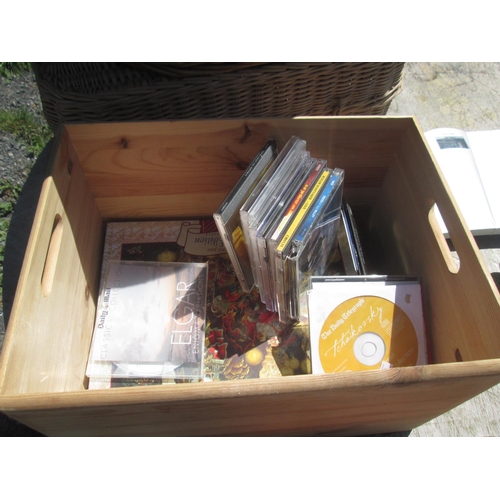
(110, 92)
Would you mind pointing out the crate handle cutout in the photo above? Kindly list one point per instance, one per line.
(452, 263)
(49, 268)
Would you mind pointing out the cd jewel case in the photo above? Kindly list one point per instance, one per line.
(287, 228)
(227, 216)
(150, 321)
(365, 323)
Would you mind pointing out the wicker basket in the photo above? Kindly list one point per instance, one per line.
(110, 92)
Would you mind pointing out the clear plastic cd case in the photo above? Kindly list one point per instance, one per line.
(313, 244)
(227, 216)
(288, 226)
(277, 193)
(350, 244)
(360, 323)
(266, 239)
(150, 321)
(262, 197)
(305, 249)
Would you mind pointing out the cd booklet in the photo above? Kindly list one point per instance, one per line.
(365, 323)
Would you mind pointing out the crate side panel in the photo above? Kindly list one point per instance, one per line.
(166, 159)
(344, 404)
(208, 157)
(178, 206)
(363, 147)
(52, 320)
(462, 309)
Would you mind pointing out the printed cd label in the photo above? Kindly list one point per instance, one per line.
(364, 332)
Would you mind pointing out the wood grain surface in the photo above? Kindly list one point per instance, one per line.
(464, 96)
(50, 396)
(43, 362)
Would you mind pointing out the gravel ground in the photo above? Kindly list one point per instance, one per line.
(18, 92)
(16, 162)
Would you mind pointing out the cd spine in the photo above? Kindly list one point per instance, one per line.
(242, 188)
(280, 225)
(313, 242)
(253, 207)
(285, 243)
(292, 183)
(272, 199)
(227, 216)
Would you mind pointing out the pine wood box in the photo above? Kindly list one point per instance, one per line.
(116, 171)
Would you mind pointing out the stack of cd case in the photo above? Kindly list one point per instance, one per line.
(227, 216)
(304, 248)
(280, 228)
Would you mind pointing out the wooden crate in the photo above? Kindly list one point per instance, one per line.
(184, 169)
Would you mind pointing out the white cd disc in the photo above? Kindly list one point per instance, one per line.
(369, 349)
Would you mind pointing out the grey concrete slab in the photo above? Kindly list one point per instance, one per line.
(459, 95)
